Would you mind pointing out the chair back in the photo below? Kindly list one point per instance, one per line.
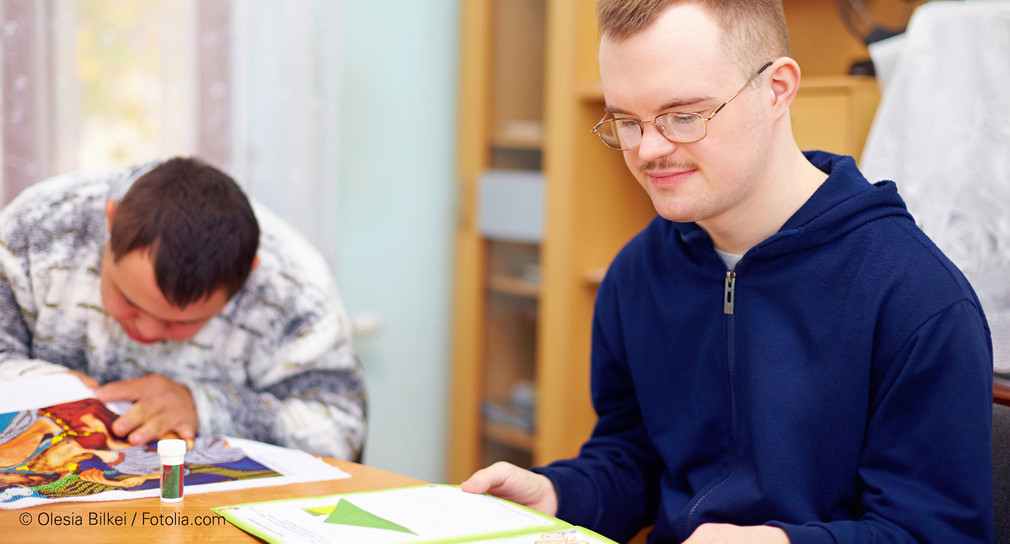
(1001, 470)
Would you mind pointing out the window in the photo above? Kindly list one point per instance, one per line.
(249, 86)
(97, 84)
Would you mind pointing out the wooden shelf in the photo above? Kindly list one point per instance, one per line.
(518, 144)
(595, 275)
(521, 64)
(508, 436)
(519, 135)
(516, 287)
(592, 93)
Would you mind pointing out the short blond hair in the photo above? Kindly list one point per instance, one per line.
(755, 30)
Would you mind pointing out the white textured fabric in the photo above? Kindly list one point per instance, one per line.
(729, 258)
(942, 133)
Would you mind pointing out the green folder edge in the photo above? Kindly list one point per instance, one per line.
(555, 524)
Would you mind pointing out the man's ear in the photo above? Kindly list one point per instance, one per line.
(256, 262)
(785, 82)
(110, 211)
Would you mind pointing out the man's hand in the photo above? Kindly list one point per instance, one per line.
(160, 406)
(518, 485)
(724, 533)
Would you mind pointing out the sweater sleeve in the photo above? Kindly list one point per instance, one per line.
(612, 487)
(926, 467)
(18, 308)
(306, 391)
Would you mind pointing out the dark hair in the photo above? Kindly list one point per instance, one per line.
(755, 30)
(198, 225)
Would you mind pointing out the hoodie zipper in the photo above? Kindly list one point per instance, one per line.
(730, 292)
(728, 300)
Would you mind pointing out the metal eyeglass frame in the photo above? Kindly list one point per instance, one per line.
(704, 120)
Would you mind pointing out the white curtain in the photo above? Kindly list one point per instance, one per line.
(286, 111)
(251, 86)
(94, 84)
(942, 132)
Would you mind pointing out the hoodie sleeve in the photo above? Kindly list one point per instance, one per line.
(925, 470)
(612, 487)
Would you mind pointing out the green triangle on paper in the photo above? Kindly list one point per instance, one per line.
(345, 513)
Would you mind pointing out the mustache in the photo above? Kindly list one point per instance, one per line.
(667, 163)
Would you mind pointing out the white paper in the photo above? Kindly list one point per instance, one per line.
(431, 513)
(41, 391)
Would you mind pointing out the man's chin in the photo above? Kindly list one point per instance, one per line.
(139, 339)
(672, 212)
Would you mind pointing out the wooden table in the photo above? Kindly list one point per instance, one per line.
(149, 520)
(1001, 393)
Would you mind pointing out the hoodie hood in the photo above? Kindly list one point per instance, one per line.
(843, 203)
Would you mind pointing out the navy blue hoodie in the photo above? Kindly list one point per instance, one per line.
(837, 384)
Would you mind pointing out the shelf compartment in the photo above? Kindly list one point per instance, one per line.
(508, 435)
(520, 134)
(505, 285)
(512, 205)
(517, 73)
(493, 451)
(594, 276)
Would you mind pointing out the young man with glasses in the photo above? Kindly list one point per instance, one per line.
(781, 355)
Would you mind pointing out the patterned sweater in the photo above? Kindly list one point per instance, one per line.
(276, 365)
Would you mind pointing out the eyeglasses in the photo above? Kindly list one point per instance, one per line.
(681, 128)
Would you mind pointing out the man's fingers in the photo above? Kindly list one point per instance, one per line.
(126, 423)
(476, 483)
(160, 405)
(115, 391)
(140, 428)
(185, 431)
(486, 479)
(516, 484)
(155, 428)
(150, 430)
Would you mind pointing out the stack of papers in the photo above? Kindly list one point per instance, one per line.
(420, 514)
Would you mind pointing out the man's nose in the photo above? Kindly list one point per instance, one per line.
(654, 145)
(149, 327)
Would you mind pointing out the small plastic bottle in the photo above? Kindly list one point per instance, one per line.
(172, 453)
